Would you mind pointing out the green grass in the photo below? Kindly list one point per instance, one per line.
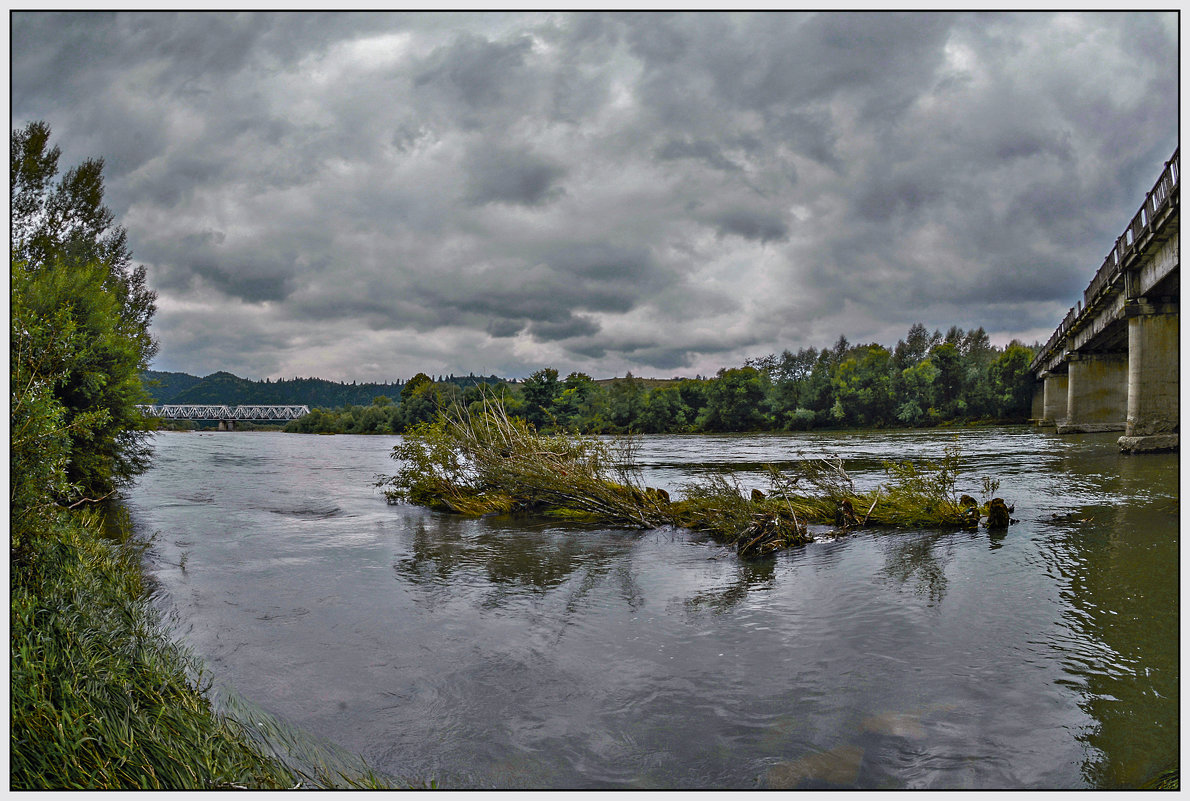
(103, 698)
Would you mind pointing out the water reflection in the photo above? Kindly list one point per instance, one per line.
(996, 538)
(1118, 565)
(508, 557)
(748, 576)
(918, 561)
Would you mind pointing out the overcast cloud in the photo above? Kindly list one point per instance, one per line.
(365, 196)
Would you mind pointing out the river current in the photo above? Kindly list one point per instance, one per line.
(505, 653)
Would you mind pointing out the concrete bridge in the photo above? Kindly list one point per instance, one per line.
(1112, 364)
(226, 415)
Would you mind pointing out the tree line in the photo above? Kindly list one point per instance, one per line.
(927, 379)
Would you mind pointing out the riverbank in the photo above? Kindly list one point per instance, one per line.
(104, 698)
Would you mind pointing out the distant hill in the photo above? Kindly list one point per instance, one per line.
(223, 387)
(163, 387)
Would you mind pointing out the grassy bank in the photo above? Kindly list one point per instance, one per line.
(103, 698)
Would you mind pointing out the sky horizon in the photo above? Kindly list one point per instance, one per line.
(365, 196)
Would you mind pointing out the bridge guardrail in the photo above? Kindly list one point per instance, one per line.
(1156, 201)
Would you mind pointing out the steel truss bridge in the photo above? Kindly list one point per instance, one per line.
(225, 414)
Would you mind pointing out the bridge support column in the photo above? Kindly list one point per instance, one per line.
(227, 425)
(1037, 411)
(1152, 421)
(1097, 393)
(1055, 397)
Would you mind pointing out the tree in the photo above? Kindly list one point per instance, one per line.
(839, 351)
(694, 396)
(796, 367)
(539, 393)
(573, 403)
(911, 350)
(817, 393)
(949, 381)
(76, 268)
(42, 348)
(863, 387)
(916, 392)
(736, 401)
(625, 402)
(414, 385)
(67, 221)
(789, 378)
(419, 405)
(371, 420)
(1012, 382)
(664, 411)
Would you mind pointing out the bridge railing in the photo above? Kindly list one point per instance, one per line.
(1163, 195)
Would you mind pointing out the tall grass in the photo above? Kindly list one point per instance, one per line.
(103, 698)
(484, 461)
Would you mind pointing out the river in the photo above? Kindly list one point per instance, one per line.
(509, 653)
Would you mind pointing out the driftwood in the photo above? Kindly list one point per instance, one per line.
(998, 517)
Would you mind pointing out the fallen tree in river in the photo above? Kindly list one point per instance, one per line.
(482, 461)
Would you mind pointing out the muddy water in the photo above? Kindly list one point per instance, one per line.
(514, 653)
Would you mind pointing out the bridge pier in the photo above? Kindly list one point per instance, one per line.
(1055, 398)
(1152, 418)
(1037, 411)
(227, 425)
(1097, 393)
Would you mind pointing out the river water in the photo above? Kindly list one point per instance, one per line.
(520, 653)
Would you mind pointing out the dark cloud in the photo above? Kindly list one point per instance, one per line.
(366, 195)
(474, 78)
(762, 225)
(574, 326)
(502, 329)
(504, 175)
(705, 151)
(897, 196)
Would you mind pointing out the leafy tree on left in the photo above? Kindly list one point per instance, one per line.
(71, 269)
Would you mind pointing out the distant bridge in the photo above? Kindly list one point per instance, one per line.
(225, 414)
(1112, 363)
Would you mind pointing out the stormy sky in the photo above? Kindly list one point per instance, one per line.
(364, 196)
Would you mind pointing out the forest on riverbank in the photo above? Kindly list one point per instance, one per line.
(927, 379)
